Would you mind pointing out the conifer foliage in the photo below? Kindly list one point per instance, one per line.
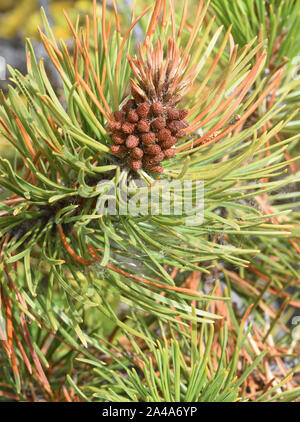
(146, 306)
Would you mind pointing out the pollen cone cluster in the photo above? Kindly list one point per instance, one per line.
(146, 129)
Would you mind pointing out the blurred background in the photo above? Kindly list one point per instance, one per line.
(19, 19)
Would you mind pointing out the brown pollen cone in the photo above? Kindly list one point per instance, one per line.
(153, 149)
(159, 123)
(119, 116)
(163, 135)
(128, 127)
(119, 150)
(137, 153)
(143, 126)
(143, 110)
(132, 141)
(148, 138)
(169, 153)
(169, 143)
(157, 168)
(135, 164)
(119, 139)
(147, 128)
(157, 109)
(132, 116)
